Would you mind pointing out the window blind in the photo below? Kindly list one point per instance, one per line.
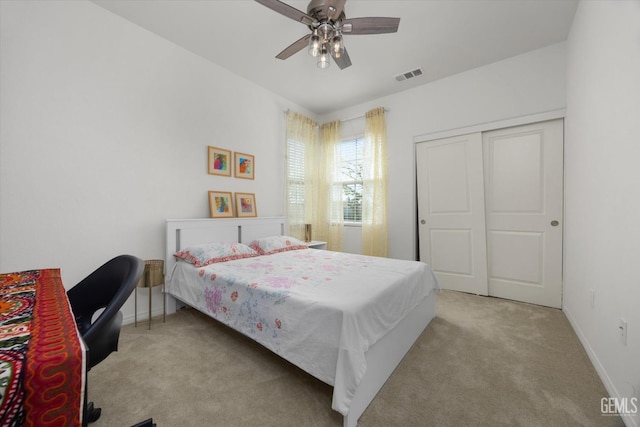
(350, 179)
(296, 177)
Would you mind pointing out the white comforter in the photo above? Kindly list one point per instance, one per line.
(320, 310)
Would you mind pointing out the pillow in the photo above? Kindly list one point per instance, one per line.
(209, 253)
(273, 244)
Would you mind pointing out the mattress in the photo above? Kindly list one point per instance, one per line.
(320, 310)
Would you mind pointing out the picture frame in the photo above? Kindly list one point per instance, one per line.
(245, 165)
(219, 161)
(246, 205)
(221, 204)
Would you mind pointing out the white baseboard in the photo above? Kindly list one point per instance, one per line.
(156, 313)
(629, 421)
(158, 310)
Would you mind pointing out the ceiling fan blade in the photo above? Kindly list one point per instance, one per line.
(343, 61)
(333, 8)
(288, 11)
(370, 25)
(294, 47)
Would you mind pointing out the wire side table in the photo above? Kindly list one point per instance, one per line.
(153, 276)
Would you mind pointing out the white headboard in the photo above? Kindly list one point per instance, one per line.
(182, 233)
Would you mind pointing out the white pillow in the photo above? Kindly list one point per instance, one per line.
(209, 253)
(273, 244)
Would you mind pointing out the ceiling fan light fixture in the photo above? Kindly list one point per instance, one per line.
(314, 44)
(326, 31)
(337, 45)
(323, 59)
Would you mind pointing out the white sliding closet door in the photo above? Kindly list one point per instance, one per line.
(490, 211)
(523, 184)
(451, 212)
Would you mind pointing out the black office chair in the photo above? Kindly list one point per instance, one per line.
(145, 423)
(106, 288)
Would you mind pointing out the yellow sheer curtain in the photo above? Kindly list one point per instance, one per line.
(374, 185)
(302, 158)
(329, 215)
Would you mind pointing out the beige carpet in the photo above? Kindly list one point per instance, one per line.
(481, 362)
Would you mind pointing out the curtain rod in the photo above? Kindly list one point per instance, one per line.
(386, 110)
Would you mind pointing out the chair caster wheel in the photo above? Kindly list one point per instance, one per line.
(93, 413)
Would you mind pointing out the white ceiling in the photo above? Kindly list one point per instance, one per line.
(443, 37)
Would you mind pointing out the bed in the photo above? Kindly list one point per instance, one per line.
(346, 319)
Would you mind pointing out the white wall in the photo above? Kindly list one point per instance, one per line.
(104, 135)
(602, 181)
(520, 86)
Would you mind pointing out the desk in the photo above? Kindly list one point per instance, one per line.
(42, 357)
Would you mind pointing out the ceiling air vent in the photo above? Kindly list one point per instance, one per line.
(409, 74)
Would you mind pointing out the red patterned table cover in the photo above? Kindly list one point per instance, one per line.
(42, 357)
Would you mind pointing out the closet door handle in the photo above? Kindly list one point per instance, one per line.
(554, 223)
(422, 221)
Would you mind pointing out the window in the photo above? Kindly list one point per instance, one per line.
(296, 177)
(347, 181)
(350, 178)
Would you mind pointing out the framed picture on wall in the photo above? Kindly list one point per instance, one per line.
(246, 205)
(219, 161)
(244, 165)
(220, 204)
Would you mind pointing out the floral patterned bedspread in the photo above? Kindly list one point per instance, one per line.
(320, 310)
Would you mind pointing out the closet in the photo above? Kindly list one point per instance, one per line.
(490, 211)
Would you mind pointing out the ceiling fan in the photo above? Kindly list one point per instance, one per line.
(327, 21)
